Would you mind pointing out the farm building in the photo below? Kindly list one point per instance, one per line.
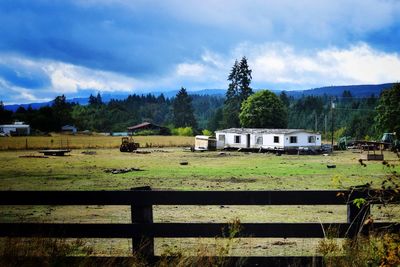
(18, 128)
(268, 139)
(147, 126)
(204, 142)
(69, 129)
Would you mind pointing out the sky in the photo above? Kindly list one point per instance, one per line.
(75, 47)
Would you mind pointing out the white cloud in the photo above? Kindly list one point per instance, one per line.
(359, 64)
(274, 66)
(190, 70)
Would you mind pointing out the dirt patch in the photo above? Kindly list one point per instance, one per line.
(125, 170)
(235, 180)
(284, 243)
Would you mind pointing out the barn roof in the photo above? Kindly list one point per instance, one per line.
(141, 125)
(145, 125)
(261, 131)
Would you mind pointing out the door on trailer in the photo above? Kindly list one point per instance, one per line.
(248, 141)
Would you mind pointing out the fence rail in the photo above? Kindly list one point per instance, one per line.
(143, 228)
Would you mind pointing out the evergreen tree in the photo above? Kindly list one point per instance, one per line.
(214, 122)
(183, 114)
(5, 115)
(244, 80)
(238, 91)
(284, 98)
(62, 112)
(388, 117)
(95, 100)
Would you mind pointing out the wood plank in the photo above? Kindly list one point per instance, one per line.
(181, 230)
(314, 261)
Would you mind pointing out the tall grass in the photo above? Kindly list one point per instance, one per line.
(89, 142)
(57, 252)
(372, 250)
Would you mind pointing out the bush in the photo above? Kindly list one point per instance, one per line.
(183, 131)
(147, 132)
(206, 132)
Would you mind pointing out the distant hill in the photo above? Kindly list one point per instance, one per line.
(356, 91)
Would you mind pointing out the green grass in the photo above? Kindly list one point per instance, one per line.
(205, 171)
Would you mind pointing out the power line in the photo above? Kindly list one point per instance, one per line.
(368, 109)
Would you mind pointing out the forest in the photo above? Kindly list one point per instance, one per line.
(352, 116)
(364, 117)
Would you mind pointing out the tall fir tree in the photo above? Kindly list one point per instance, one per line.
(238, 90)
(244, 80)
(182, 109)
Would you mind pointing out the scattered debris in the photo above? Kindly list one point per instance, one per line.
(222, 154)
(89, 152)
(184, 163)
(125, 170)
(362, 163)
(284, 243)
(142, 152)
(54, 152)
(34, 156)
(332, 166)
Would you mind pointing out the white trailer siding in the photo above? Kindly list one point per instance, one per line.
(231, 140)
(276, 139)
(302, 139)
(273, 141)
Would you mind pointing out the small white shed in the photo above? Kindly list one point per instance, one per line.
(269, 139)
(204, 142)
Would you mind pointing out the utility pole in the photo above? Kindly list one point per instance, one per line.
(332, 120)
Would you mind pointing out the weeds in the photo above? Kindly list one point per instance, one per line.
(373, 250)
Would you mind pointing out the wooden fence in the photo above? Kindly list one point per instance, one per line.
(143, 230)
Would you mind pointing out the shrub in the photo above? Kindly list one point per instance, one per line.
(183, 131)
(207, 132)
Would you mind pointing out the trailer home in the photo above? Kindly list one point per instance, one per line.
(268, 139)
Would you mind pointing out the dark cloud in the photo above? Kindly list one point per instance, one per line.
(30, 79)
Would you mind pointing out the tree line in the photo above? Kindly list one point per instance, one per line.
(241, 107)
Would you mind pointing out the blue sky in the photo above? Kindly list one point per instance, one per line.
(50, 47)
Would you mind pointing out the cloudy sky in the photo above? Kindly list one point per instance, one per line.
(74, 47)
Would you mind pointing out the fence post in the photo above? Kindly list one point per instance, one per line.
(356, 216)
(142, 214)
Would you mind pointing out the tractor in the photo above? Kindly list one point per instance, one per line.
(128, 145)
(391, 141)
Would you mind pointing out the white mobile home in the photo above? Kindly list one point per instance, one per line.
(269, 139)
(18, 128)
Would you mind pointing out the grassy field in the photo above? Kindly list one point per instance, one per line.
(161, 169)
(205, 171)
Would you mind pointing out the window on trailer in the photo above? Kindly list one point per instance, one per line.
(237, 139)
(293, 139)
(276, 139)
(259, 140)
(311, 139)
(221, 137)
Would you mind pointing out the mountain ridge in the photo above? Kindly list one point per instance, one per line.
(364, 90)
